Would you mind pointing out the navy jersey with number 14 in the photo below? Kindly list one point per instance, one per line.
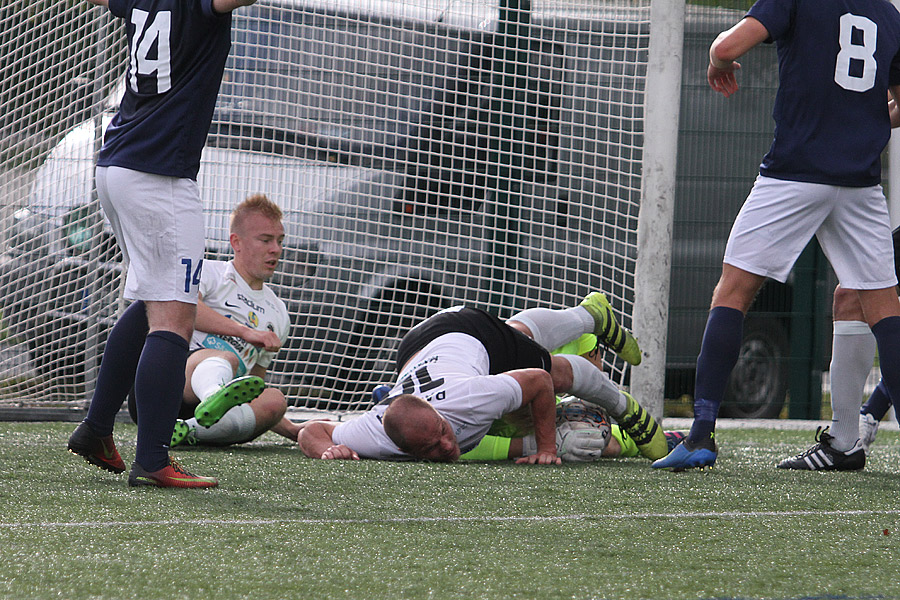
(176, 56)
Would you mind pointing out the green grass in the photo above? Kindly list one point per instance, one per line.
(282, 526)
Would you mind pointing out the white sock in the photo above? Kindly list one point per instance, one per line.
(852, 357)
(553, 328)
(211, 374)
(235, 427)
(593, 385)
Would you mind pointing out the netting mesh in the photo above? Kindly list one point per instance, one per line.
(425, 154)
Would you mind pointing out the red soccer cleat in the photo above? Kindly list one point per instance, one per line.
(172, 475)
(97, 450)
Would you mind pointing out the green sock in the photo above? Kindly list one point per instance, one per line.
(578, 347)
(491, 447)
(629, 448)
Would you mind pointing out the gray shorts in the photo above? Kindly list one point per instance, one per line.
(158, 222)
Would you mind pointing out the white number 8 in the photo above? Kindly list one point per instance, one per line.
(864, 53)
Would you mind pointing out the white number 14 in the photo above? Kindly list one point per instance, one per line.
(144, 37)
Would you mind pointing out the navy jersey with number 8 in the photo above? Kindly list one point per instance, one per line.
(836, 61)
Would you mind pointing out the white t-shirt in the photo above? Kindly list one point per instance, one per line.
(452, 374)
(225, 291)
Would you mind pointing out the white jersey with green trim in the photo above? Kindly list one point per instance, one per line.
(224, 290)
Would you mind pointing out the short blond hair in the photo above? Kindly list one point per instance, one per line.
(256, 203)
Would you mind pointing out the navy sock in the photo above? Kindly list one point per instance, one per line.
(878, 403)
(719, 353)
(117, 369)
(158, 389)
(887, 336)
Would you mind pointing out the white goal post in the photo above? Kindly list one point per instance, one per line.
(653, 267)
(425, 153)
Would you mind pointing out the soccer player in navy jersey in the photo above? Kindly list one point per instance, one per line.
(837, 60)
(852, 357)
(147, 183)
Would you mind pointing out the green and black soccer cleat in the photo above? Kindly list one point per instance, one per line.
(608, 331)
(235, 392)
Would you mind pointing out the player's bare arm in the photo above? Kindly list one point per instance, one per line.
(210, 321)
(99, 2)
(315, 441)
(538, 394)
(226, 6)
(727, 48)
(893, 108)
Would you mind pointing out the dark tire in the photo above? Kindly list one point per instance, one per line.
(758, 385)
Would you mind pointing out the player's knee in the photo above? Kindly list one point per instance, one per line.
(561, 373)
(736, 288)
(846, 305)
(232, 360)
(521, 327)
(177, 317)
(270, 406)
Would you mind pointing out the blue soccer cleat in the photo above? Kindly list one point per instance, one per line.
(689, 456)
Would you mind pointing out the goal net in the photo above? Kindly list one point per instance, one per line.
(425, 154)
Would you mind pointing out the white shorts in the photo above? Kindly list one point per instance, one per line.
(779, 218)
(158, 222)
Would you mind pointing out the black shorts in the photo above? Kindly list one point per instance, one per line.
(507, 348)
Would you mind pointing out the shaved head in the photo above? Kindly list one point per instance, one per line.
(417, 429)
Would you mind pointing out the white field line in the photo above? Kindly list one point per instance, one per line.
(783, 424)
(581, 517)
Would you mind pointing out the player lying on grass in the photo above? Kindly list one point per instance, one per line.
(240, 326)
(462, 369)
(583, 431)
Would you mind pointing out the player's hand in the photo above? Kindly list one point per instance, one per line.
(585, 445)
(541, 458)
(266, 340)
(339, 452)
(723, 80)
